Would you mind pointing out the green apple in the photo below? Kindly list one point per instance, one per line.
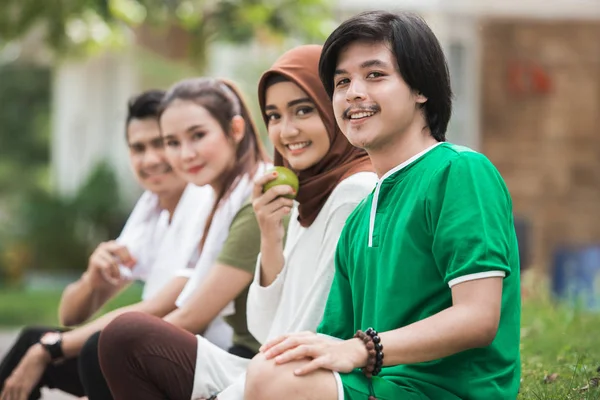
(285, 176)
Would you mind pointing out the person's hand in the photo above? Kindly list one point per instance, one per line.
(19, 385)
(324, 352)
(271, 207)
(103, 266)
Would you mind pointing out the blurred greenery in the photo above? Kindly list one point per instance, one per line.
(53, 233)
(559, 347)
(73, 25)
(24, 126)
(19, 308)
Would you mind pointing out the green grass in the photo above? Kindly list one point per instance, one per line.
(555, 339)
(19, 307)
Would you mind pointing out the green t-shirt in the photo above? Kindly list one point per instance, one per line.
(240, 250)
(444, 216)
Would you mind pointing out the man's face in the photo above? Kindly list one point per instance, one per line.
(373, 105)
(147, 157)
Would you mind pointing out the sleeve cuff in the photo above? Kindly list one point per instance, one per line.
(273, 290)
(479, 275)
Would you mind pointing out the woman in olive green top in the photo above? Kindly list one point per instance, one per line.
(240, 251)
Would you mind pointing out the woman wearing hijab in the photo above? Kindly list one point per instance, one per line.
(292, 279)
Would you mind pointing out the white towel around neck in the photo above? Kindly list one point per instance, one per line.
(217, 234)
(162, 248)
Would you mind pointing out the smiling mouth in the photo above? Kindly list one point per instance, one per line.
(298, 146)
(358, 114)
(195, 170)
(361, 115)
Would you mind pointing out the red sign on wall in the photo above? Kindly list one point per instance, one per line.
(528, 78)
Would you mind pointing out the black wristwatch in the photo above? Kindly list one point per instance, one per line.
(52, 342)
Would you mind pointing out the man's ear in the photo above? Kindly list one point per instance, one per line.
(420, 98)
(238, 128)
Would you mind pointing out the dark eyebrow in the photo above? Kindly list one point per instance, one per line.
(193, 128)
(291, 103)
(366, 64)
(136, 144)
(373, 63)
(189, 129)
(299, 101)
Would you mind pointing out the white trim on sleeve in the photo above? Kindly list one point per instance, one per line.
(340, 386)
(478, 275)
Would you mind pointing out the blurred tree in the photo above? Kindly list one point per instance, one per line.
(53, 233)
(24, 126)
(75, 24)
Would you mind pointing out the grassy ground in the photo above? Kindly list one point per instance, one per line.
(18, 307)
(560, 347)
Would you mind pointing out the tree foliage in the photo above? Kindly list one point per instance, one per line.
(69, 24)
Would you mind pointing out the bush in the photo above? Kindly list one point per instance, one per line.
(53, 233)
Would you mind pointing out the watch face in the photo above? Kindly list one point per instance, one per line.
(50, 338)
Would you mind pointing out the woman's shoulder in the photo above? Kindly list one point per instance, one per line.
(347, 196)
(354, 188)
(245, 212)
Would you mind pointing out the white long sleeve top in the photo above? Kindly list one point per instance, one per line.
(295, 300)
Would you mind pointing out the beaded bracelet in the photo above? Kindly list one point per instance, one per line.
(378, 350)
(375, 356)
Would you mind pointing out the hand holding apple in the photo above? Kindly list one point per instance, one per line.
(272, 200)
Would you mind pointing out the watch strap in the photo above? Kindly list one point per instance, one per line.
(54, 349)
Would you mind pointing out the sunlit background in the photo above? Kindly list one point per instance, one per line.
(525, 73)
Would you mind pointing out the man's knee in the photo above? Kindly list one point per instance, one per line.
(27, 338)
(30, 335)
(264, 380)
(255, 375)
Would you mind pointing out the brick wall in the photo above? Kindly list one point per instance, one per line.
(540, 122)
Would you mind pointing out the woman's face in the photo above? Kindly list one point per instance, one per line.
(295, 126)
(196, 145)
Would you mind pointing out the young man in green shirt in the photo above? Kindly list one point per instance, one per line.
(429, 259)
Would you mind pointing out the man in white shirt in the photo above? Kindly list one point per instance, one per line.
(169, 214)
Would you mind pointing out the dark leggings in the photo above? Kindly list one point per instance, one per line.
(93, 381)
(144, 357)
(78, 376)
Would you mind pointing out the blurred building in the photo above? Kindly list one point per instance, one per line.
(526, 76)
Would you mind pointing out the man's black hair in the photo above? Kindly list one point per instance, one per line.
(145, 105)
(420, 59)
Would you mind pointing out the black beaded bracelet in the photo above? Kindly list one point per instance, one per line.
(378, 350)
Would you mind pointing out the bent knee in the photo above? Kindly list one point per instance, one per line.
(30, 335)
(266, 380)
(124, 333)
(258, 376)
